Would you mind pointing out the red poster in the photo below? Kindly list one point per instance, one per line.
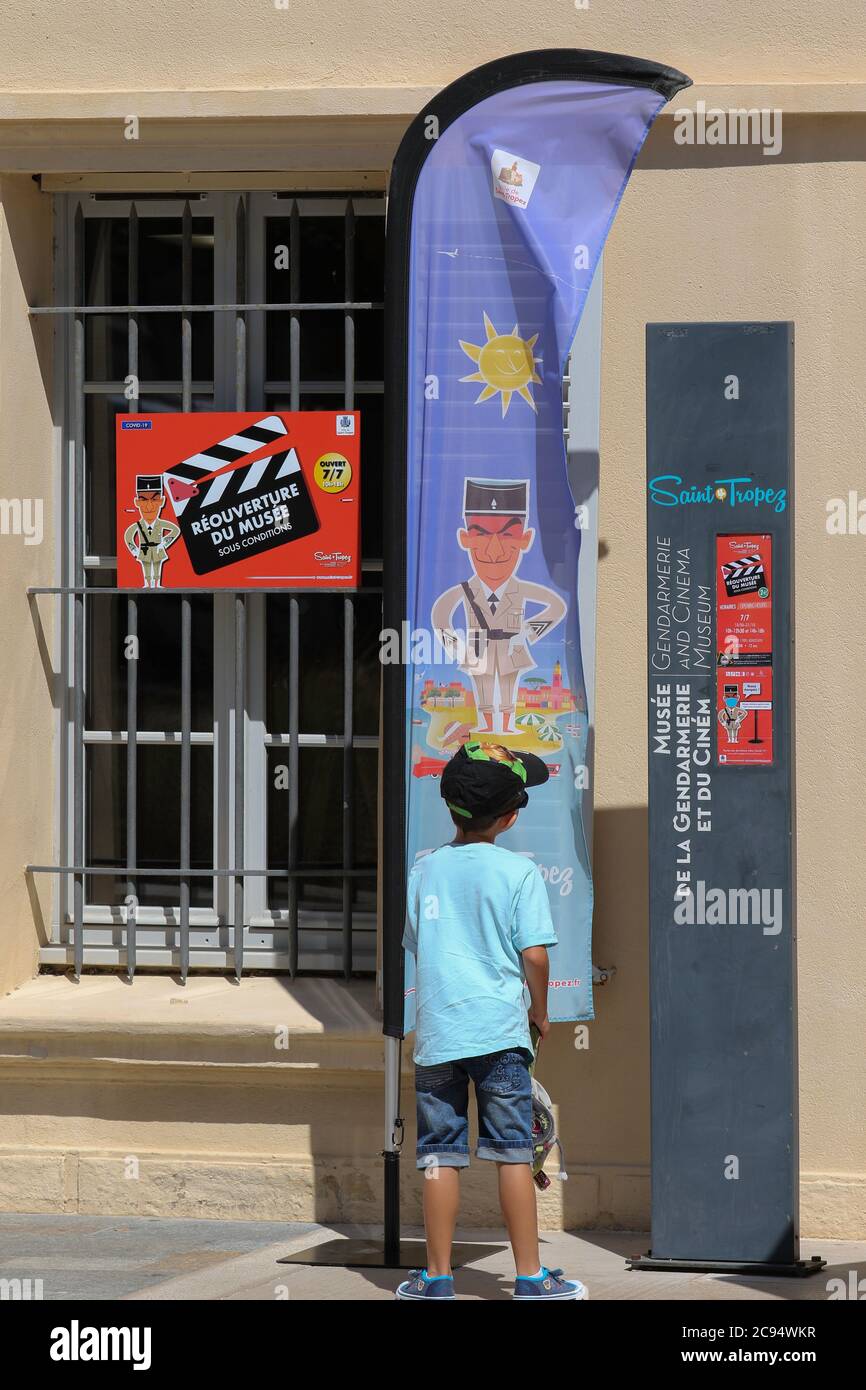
(238, 500)
(744, 630)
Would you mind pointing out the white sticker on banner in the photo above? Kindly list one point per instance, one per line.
(513, 178)
(345, 424)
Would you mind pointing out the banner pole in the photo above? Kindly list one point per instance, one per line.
(391, 1155)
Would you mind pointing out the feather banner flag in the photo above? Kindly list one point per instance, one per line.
(502, 195)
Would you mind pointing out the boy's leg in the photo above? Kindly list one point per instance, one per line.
(442, 1096)
(517, 1200)
(503, 1090)
(441, 1204)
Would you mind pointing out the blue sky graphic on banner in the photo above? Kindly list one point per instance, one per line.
(511, 211)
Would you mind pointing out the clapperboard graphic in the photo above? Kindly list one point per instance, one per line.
(744, 576)
(230, 510)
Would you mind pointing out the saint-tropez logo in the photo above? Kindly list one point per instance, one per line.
(513, 178)
(669, 490)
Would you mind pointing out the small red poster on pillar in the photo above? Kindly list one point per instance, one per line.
(744, 631)
(238, 501)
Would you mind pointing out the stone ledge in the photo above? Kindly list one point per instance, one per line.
(833, 1206)
(296, 1187)
(267, 1024)
(360, 1075)
(308, 1004)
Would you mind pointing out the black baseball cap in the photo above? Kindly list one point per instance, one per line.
(475, 784)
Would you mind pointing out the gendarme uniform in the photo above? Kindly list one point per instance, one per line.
(498, 633)
(731, 720)
(149, 543)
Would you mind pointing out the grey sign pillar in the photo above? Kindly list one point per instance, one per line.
(721, 807)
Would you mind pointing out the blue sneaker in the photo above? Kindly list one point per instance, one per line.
(548, 1284)
(421, 1285)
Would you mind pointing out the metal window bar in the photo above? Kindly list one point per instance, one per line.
(78, 600)
(292, 854)
(240, 605)
(294, 605)
(111, 871)
(293, 306)
(185, 622)
(348, 607)
(78, 592)
(132, 634)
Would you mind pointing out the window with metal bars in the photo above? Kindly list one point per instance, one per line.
(218, 774)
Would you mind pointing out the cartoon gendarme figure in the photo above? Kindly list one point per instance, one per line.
(498, 634)
(148, 539)
(732, 714)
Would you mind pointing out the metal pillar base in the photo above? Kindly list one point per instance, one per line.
(797, 1269)
(370, 1254)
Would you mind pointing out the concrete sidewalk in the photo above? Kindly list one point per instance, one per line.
(81, 1257)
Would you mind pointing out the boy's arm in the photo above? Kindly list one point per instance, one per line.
(536, 968)
(532, 933)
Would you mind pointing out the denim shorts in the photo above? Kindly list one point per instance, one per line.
(503, 1094)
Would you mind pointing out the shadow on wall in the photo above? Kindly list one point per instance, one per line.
(735, 138)
(598, 1073)
(27, 215)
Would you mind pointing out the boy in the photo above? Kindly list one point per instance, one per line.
(478, 923)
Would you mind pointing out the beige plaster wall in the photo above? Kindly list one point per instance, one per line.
(280, 44)
(702, 234)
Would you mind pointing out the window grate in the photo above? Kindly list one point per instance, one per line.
(254, 879)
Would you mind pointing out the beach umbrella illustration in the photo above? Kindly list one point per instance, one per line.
(531, 721)
(548, 733)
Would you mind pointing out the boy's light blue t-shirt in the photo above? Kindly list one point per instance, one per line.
(471, 910)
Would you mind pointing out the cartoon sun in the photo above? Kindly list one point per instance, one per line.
(505, 363)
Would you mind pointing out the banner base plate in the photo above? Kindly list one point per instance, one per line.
(797, 1269)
